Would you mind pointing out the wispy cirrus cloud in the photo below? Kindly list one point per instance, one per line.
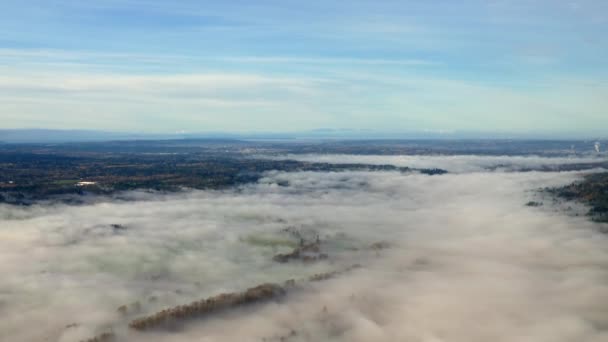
(160, 83)
(349, 99)
(421, 65)
(55, 55)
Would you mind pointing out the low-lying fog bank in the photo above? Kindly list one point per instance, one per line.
(451, 163)
(467, 261)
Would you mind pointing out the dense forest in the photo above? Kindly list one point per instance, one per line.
(593, 190)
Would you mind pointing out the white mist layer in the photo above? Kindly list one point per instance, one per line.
(469, 262)
(455, 163)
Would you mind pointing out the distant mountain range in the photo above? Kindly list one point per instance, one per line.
(13, 136)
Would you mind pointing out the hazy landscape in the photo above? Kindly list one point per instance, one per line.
(359, 247)
(304, 171)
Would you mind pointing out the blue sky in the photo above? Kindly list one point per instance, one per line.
(520, 66)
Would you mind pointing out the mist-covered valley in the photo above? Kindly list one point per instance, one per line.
(304, 171)
(452, 257)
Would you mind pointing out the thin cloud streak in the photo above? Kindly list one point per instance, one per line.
(53, 56)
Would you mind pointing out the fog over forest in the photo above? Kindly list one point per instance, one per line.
(465, 259)
(451, 163)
